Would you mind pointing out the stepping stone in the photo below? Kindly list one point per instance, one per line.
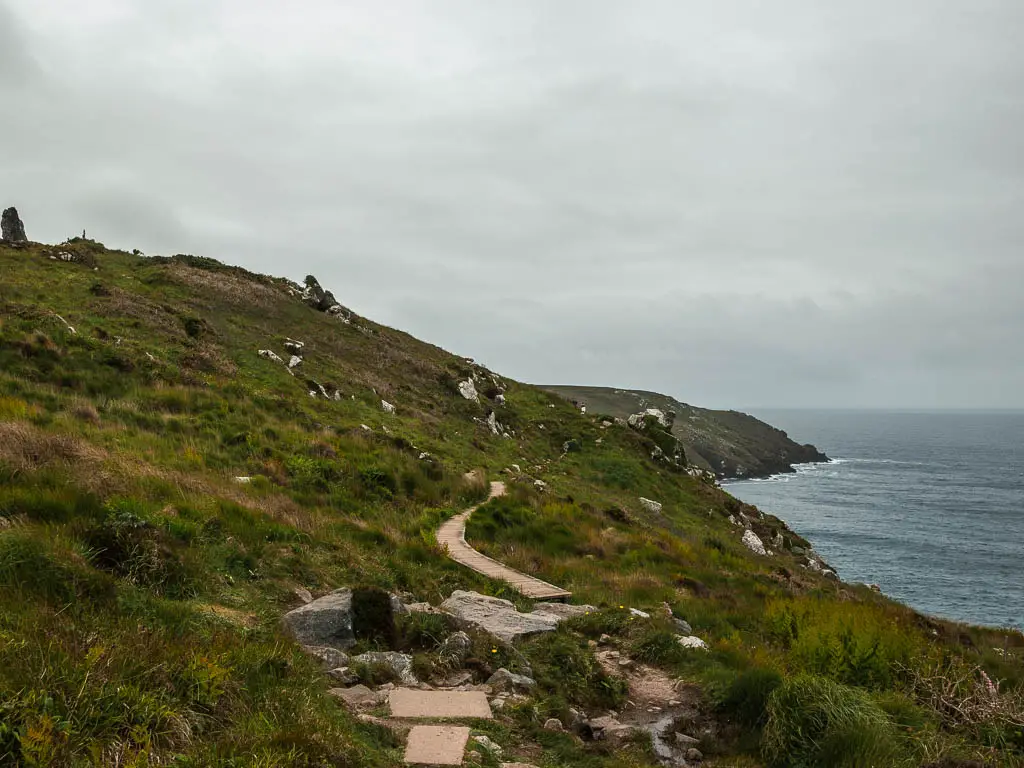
(436, 745)
(411, 703)
(358, 696)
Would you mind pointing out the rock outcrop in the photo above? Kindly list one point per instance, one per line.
(326, 622)
(468, 390)
(12, 229)
(728, 444)
(654, 507)
(399, 664)
(753, 542)
(496, 616)
(315, 296)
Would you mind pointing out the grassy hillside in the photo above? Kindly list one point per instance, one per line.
(728, 443)
(142, 582)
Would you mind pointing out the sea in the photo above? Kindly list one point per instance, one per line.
(929, 506)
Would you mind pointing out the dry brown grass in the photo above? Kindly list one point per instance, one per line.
(234, 289)
(84, 411)
(26, 448)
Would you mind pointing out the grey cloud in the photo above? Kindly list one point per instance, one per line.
(738, 203)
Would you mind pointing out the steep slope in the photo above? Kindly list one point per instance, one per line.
(729, 443)
(169, 489)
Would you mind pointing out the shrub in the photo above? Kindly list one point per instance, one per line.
(658, 646)
(133, 549)
(423, 631)
(565, 667)
(815, 722)
(373, 618)
(747, 696)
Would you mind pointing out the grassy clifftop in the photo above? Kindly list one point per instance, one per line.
(728, 443)
(164, 489)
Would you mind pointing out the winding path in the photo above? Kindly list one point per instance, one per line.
(452, 536)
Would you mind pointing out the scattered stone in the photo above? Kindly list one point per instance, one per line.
(344, 675)
(303, 594)
(295, 361)
(456, 648)
(270, 355)
(753, 542)
(650, 505)
(243, 480)
(496, 616)
(342, 313)
(12, 229)
(620, 733)
(540, 485)
(503, 680)
(456, 679)
(468, 390)
(604, 640)
(293, 346)
(436, 745)
(331, 658)
(683, 740)
(564, 610)
(358, 697)
(691, 641)
(412, 704)
(492, 423)
(388, 407)
(420, 608)
(500, 399)
(324, 622)
(694, 755)
(399, 663)
(639, 614)
(553, 724)
(489, 745)
(682, 626)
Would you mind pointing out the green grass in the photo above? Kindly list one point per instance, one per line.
(141, 585)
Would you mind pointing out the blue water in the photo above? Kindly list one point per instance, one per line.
(929, 506)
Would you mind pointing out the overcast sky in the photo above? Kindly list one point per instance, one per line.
(737, 202)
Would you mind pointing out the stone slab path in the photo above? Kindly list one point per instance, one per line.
(452, 535)
(436, 745)
(412, 703)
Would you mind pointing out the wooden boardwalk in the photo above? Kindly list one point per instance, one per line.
(452, 536)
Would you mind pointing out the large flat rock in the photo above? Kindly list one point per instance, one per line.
(412, 703)
(436, 745)
(496, 616)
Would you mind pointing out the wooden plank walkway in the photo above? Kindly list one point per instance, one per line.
(452, 536)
